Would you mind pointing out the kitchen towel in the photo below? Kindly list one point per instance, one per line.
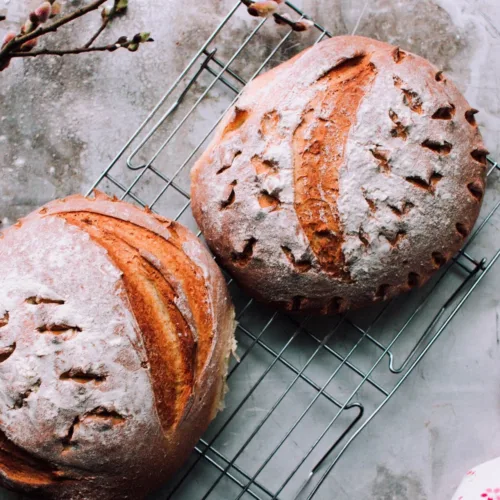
(481, 483)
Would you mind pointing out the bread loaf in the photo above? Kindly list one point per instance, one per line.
(342, 177)
(115, 334)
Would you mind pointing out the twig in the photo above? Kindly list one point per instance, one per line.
(20, 40)
(98, 32)
(283, 20)
(303, 24)
(80, 50)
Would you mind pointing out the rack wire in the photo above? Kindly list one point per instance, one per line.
(328, 376)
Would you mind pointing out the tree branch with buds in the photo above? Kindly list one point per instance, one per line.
(267, 8)
(23, 43)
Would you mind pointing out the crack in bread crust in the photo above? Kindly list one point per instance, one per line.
(171, 345)
(316, 169)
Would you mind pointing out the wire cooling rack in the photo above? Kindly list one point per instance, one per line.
(323, 379)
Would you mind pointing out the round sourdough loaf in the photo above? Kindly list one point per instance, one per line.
(344, 176)
(115, 333)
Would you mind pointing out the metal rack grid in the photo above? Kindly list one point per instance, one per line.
(330, 376)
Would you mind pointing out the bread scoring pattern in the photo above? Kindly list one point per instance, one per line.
(115, 333)
(355, 170)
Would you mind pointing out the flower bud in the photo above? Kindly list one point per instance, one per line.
(30, 44)
(121, 6)
(105, 13)
(56, 9)
(43, 12)
(8, 38)
(142, 37)
(282, 18)
(263, 9)
(133, 47)
(303, 25)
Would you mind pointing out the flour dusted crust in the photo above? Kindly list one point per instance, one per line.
(115, 334)
(345, 176)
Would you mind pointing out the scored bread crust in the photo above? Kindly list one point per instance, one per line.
(342, 177)
(115, 333)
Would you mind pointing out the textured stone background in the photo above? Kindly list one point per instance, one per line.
(63, 119)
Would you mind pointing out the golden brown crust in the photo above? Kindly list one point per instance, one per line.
(150, 370)
(316, 174)
(167, 336)
(341, 177)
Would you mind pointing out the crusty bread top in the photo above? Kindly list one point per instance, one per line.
(343, 176)
(115, 332)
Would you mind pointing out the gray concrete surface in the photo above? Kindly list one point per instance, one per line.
(62, 121)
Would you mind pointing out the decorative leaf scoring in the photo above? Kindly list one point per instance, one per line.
(480, 155)
(382, 291)
(267, 200)
(225, 167)
(6, 352)
(382, 156)
(81, 376)
(22, 398)
(438, 259)
(440, 77)
(399, 130)
(410, 97)
(229, 197)
(302, 266)
(443, 148)
(406, 207)
(476, 189)
(469, 116)
(462, 229)
(394, 238)
(43, 300)
(413, 280)
(239, 118)
(398, 55)
(108, 419)
(4, 320)
(363, 237)
(58, 329)
(444, 113)
(243, 258)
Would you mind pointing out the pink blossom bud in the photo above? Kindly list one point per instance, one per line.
(30, 44)
(43, 12)
(303, 25)
(263, 9)
(8, 38)
(56, 9)
(105, 13)
(282, 18)
(31, 24)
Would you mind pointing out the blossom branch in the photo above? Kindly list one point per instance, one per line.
(266, 8)
(22, 44)
(131, 45)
